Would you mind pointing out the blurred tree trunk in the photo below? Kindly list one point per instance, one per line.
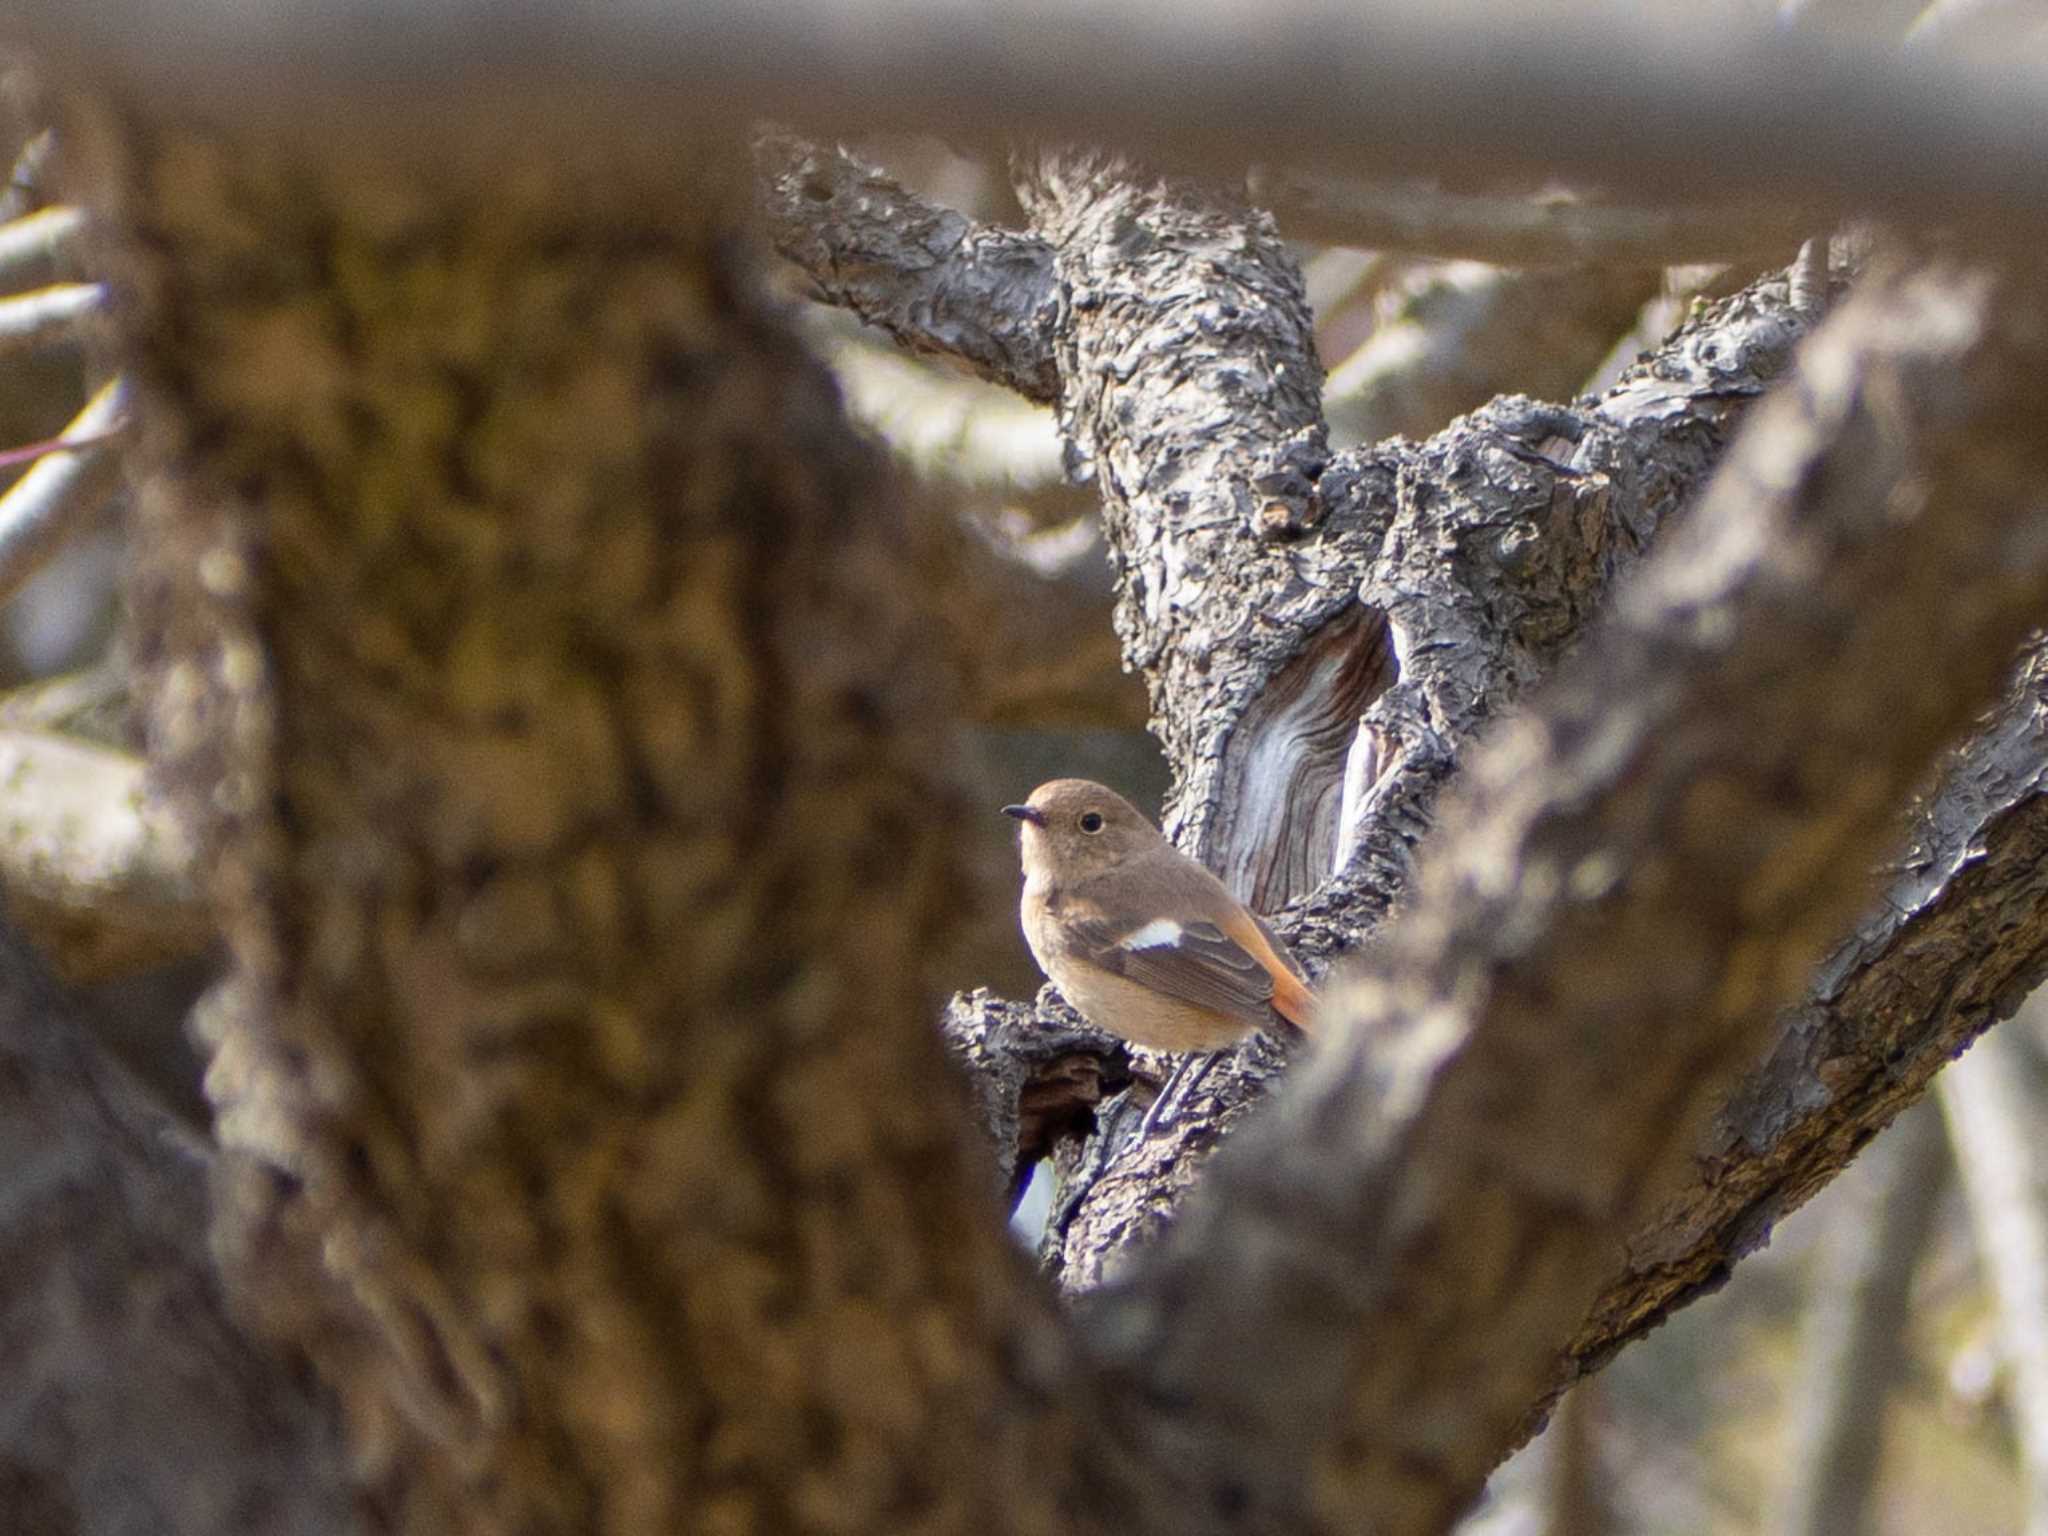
(532, 646)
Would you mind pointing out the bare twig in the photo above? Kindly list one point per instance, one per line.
(48, 314)
(40, 509)
(36, 239)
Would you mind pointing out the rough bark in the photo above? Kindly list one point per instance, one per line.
(130, 1403)
(1850, 1057)
(527, 640)
(932, 279)
(1314, 675)
(1638, 874)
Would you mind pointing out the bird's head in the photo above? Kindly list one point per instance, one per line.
(1071, 828)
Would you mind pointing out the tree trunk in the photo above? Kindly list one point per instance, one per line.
(530, 643)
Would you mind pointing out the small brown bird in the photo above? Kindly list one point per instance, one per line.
(1141, 939)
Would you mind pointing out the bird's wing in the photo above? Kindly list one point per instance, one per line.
(1291, 996)
(1196, 962)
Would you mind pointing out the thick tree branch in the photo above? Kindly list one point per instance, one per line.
(1636, 876)
(1191, 394)
(932, 279)
(1655, 106)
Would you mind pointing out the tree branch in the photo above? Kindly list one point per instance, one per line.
(1373, 658)
(932, 279)
(48, 314)
(41, 509)
(35, 240)
(1636, 876)
(1192, 395)
(1655, 107)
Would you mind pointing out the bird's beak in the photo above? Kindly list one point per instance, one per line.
(1028, 813)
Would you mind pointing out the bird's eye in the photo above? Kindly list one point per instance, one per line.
(1091, 821)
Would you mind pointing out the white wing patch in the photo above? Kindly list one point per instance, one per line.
(1160, 933)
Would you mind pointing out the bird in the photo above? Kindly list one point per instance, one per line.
(1145, 942)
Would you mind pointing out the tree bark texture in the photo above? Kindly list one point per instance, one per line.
(528, 641)
(1608, 922)
(1323, 632)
